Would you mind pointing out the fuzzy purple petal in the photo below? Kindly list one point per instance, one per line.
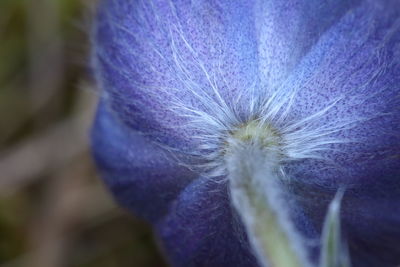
(286, 31)
(370, 217)
(155, 57)
(202, 229)
(357, 62)
(144, 177)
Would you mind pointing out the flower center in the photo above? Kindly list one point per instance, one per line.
(262, 134)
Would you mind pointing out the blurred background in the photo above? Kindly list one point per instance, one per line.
(54, 210)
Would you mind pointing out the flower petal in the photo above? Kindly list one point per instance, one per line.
(370, 217)
(158, 60)
(202, 229)
(356, 66)
(143, 177)
(286, 30)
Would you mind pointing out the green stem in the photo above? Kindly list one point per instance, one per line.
(255, 187)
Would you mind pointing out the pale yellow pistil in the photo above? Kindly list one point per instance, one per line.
(252, 131)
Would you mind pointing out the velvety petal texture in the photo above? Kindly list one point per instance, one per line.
(144, 177)
(325, 74)
(356, 63)
(286, 30)
(193, 234)
(156, 59)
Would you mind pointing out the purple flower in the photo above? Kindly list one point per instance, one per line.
(317, 80)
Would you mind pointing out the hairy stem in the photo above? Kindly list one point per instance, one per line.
(255, 187)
